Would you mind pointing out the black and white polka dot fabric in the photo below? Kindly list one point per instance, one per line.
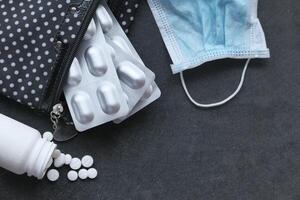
(36, 39)
(124, 11)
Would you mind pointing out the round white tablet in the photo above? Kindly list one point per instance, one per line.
(60, 161)
(75, 163)
(87, 161)
(48, 136)
(92, 173)
(56, 153)
(83, 174)
(52, 175)
(72, 175)
(68, 159)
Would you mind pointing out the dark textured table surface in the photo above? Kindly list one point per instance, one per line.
(247, 149)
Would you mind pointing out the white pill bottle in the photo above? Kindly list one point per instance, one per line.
(22, 150)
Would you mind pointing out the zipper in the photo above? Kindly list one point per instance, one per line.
(59, 85)
(63, 129)
(56, 114)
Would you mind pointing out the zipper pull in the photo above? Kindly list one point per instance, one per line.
(56, 114)
(62, 129)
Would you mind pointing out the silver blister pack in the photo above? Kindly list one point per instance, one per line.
(119, 41)
(107, 81)
(93, 91)
(135, 77)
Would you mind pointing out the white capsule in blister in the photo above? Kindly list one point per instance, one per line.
(148, 92)
(75, 74)
(81, 105)
(120, 42)
(131, 75)
(96, 61)
(108, 98)
(104, 18)
(91, 31)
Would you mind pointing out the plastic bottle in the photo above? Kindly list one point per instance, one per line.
(22, 150)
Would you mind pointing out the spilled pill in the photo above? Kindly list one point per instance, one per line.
(92, 173)
(83, 174)
(53, 175)
(56, 153)
(87, 161)
(72, 175)
(48, 136)
(75, 163)
(60, 161)
(68, 159)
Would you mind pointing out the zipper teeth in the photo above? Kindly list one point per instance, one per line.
(90, 14)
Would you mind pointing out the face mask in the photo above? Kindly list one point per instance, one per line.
(198, 31)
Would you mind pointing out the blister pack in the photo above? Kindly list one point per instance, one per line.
(93, 91)
(135, 77)
(107, 80)
(118, 39)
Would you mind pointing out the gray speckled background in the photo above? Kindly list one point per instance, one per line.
(246, 150)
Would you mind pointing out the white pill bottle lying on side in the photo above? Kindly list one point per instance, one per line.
(22, 150)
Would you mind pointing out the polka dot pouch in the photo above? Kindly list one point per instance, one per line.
(124, 11)
(38, 41)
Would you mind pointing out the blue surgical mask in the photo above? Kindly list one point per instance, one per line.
(198, 31)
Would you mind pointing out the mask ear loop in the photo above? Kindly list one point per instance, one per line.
(217, 103)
